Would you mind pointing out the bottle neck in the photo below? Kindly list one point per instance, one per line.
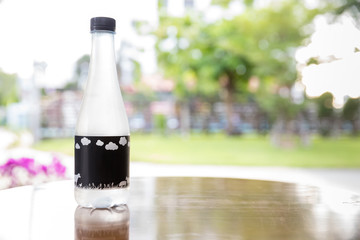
(102, 55)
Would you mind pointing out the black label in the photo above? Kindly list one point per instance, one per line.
(102, 162)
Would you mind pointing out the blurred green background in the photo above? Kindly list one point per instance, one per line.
(218, 149)
(222, 82)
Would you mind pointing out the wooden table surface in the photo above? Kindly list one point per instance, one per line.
(184, 208)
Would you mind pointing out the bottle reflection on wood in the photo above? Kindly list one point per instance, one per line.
(109, 223)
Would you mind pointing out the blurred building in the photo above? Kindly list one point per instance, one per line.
(26, 113)
(43, 112)
(59, 111)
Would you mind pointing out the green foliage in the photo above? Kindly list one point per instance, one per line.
(325, 107)
(326, 113)
(279, 107)
(313, 60)
(347, 6)
(8, 89)
(225, 3)
(351, 110)
(202, 56)
(277, 32)
(160, 123)
(180, 62)
(71, 86)
(137, 71)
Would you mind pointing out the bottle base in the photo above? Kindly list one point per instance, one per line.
(101, 198)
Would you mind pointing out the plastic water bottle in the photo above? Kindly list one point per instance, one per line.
(102, 136)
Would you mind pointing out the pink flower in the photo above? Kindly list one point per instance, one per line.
(32, 168)
(57, 167)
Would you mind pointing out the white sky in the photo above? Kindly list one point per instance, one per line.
(340, 77)
(57, 32)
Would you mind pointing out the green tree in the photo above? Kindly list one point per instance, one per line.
(259, 42)
(346, 6)
(201, 61)
(8, 89)
(277, 33)
(351, 113)
(179, 56)
(326, 113)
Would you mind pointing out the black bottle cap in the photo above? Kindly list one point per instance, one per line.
(102, 23)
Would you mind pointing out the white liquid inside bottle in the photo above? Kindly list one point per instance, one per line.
(102, 130)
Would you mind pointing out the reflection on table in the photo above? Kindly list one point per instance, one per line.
(221, 208)
(185, 208)
(100, 224)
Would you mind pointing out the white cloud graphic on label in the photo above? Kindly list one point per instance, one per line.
(111, 146)
(85, 141)
(123, 141)
(77, 146)
(99, 143)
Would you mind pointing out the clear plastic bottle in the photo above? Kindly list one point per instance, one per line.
(102, 136)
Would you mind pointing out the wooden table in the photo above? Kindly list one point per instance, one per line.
(184, 208)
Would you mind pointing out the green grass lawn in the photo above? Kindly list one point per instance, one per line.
(223, 150)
